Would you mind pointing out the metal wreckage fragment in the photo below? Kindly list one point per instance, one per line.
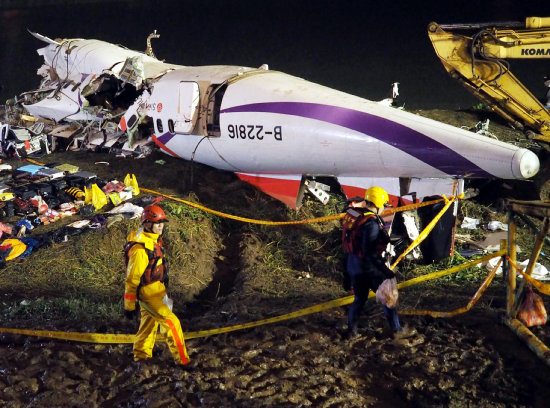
(71, 110)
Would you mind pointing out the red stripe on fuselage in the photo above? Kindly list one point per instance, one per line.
(122, 124)
(162, 146)
(284, 190)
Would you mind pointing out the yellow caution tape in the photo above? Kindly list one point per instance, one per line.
(244, 219)
(263, 222)
(425, 232)
(449, 271)
(298, 313)
(308, 221)
(541, 287)
(74, 336)
(129, 338)
(460, 310)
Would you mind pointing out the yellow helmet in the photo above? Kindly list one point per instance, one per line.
(377, 195)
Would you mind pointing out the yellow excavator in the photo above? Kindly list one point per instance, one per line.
(479, 62)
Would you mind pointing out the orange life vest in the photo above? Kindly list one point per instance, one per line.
(351, 226)
(153, 272)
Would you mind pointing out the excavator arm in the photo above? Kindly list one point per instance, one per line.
(480, 64)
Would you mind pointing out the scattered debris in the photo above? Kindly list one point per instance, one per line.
(392, 100)
(21, 142)
(497, 225)
(71, 111)
(469, 223)
(34, 195)
(482, 128)
(540, 272)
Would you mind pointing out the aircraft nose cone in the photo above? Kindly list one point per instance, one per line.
(526, 163)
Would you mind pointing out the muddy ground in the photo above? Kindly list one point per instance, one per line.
(471, 360)
(465, 362)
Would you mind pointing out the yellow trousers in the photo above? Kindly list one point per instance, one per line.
(155, 313)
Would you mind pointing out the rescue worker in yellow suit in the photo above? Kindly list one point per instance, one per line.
(146, 279)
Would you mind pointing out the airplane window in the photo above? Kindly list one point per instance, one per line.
(159, 126)
(171, 126)
(132, 121)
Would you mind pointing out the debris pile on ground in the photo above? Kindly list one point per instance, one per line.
(33, 195)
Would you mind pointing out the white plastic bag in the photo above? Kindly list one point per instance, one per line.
(540, 272)
(469, 223)
(491, 263)
(387, 293)
(497, 225)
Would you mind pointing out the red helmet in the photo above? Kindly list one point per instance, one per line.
(153, 213)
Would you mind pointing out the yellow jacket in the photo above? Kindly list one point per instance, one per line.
(17, 247)
(138, 261)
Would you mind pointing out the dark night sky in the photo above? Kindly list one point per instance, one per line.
(360, 47)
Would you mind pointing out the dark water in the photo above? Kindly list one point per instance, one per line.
(360, 47)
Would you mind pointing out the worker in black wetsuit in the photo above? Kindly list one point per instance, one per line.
(365, 265)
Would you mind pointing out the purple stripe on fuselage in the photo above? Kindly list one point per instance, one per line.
(165, 137)
(399, 136)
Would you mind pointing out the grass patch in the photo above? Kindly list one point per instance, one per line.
(77, 309)
(473, 274)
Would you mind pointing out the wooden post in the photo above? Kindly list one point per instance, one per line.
(532, 341)
(532, 261)
(540, 210)
(510, 270)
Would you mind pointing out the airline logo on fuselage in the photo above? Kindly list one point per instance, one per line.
(150, 107)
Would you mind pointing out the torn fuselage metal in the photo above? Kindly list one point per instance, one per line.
(89, 80)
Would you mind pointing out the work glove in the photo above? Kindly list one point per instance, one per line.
(130, 314)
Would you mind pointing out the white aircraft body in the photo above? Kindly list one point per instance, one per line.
(278, 132)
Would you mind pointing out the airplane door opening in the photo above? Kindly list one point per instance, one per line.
(188, 103)
(213, 109)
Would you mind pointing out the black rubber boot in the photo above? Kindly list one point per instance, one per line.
(352, 331)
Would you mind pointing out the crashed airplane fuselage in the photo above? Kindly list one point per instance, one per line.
(273, 130)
